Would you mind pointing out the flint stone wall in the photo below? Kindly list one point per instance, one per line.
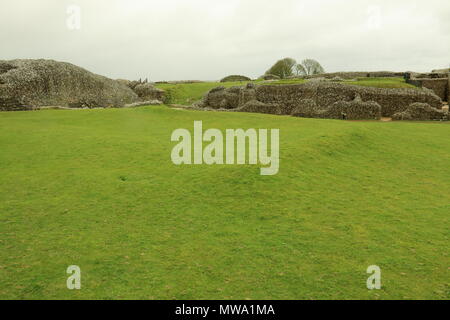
(355, 75)
(439, 83)
(432, 75)
(421, 111)
(441, 71)
(439, 87)
(319, 99)
(148, 92)
(30, 84)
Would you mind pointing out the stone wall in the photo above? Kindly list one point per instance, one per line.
(147, 91)
(432, 75)
(319, 99)
(438, 82)
(441, 70)
(420, 111)
(31, 84)
(439, 87)
(357, 74)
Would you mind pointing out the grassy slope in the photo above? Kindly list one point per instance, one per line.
(96, 188)
(186, 94)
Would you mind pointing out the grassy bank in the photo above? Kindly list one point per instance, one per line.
(383, 83)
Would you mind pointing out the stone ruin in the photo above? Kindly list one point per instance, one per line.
(34, 84)
(327, 100)
(146, 91)
(438, 82)
(357, 74)
(441, 70)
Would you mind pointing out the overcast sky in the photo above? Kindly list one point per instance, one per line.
(209, 39)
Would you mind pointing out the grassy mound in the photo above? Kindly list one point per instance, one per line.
(234, 78)
(97, 188)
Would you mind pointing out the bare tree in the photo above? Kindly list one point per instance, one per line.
(309, 67)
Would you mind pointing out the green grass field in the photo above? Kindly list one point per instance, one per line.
(187, 94)
(97, 189)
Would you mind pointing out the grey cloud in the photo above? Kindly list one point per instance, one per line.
(208, 39)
